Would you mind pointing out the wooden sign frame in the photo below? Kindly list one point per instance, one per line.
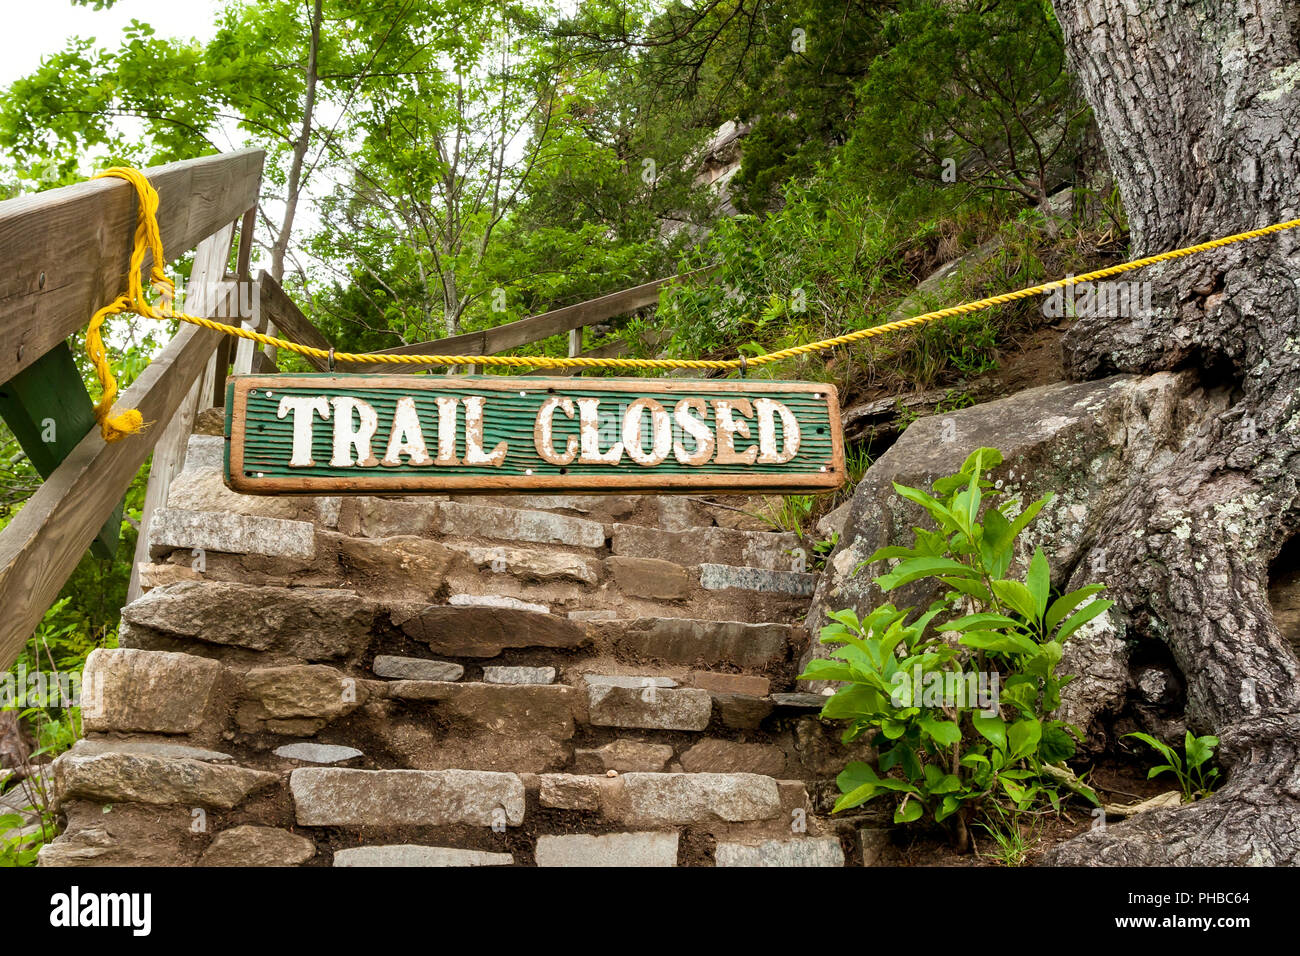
(259, 421)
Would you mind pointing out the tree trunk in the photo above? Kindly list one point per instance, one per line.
(1198, 105)
(294, 186)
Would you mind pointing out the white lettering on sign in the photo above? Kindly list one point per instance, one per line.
(544, 432)
(729, 428)
(347, 438)
(646, 432)
(302, 408)
(406, 437)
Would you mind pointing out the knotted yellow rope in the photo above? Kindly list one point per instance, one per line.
(147, 239)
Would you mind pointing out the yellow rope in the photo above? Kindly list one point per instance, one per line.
(147, 239)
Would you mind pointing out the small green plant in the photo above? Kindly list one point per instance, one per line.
(790, 513)
(54, 735)
(1194, 775)
(958, 723)
(856, 462)
(1013, 837)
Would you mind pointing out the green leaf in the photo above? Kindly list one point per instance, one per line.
(982, 620)
(981, 460)
(847, 618)
(856, 700)
(1022, 520)
(1056, 746)
(889, 552)
(855, 775)
(1063, 605)
(1159, 746)
(1039, 582)
(994, 641)
(820, 668)
(972, 588)
(1198, 749)
(914, 569)
(950, 783)
(943, 732)
(992, 729)
(908, 812)
(1023, 737)
(855, 797)
(996, 543)
(947, 808)
(1083, 616)
(1018, 596)
(942, 516)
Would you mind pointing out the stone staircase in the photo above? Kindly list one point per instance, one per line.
(466, 680)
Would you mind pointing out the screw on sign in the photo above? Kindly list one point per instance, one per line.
(311, 434)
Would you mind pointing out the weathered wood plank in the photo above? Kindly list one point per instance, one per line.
(168, 459)
(169, 453)
(245, 348)
(570, 318)
(42, 544)
(263, 364)
(470, 343)
(66, 250)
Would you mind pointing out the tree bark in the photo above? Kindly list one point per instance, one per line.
(1198, 105)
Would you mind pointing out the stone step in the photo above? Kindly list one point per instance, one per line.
(602, 508)
(640, 703)
(174, 528)
(333, 797)
(670, 512)
(720, 577)
(410, 854)
(484, 631)
(700, 546)
(650, 848)
(691, 640)
(307, 623)
(458, 520)
(636, 848)
(807, 851)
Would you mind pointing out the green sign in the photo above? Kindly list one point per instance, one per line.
(326, 434)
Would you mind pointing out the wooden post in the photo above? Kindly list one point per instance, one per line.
(575, 346)
(168, 459)
(169, 453)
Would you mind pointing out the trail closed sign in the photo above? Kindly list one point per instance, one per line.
(322, 434)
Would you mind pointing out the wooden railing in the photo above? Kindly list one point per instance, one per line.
(570, 319)
(66, 252)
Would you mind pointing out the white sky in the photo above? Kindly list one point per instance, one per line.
(37, 28)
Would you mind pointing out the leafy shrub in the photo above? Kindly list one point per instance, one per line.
(1194, 775)
(948, 759)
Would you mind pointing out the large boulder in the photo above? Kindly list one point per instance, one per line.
(1083, 442)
